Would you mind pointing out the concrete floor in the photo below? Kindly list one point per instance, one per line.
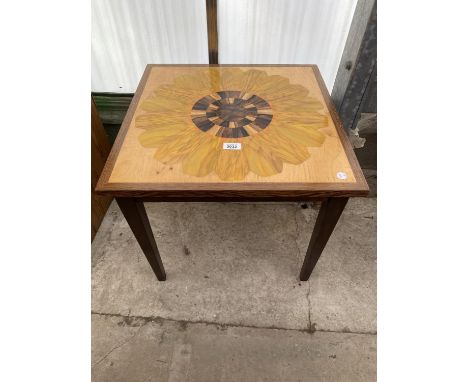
(232, 308)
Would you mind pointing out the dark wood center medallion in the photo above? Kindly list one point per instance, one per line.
(231, 114)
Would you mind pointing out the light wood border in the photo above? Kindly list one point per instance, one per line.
(232, 191)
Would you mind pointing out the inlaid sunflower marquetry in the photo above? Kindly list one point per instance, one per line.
(195, 120)
(212, 127)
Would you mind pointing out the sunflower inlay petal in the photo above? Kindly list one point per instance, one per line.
(304, 135)
(284, 148)
(232, 165)
(202, 160)
(156, 137)
(179, 147)
(262, 161)
(188, 121)
(175, 123)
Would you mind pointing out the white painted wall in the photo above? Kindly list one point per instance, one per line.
(285, 32)
(128, 34)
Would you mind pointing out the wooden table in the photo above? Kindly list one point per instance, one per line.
(232, 133)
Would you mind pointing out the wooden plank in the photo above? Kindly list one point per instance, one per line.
(212, 27)
(356, 33)
(99, 151)
(363, 78)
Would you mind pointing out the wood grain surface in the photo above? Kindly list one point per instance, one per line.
(172, 141)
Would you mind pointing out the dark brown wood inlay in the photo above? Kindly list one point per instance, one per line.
(232, 114)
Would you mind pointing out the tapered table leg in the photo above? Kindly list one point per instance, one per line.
(134, 212)
(330, 212)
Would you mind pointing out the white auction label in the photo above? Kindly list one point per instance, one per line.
(341, 175)
(232, 146)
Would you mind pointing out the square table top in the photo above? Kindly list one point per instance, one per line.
(208, 131)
